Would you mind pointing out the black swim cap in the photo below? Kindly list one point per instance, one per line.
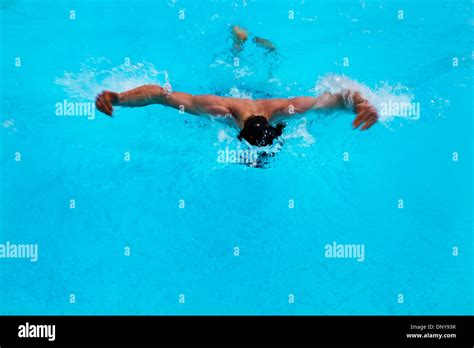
(257, 131)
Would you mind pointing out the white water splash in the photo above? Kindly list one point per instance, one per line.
(98, 74)
(234, 92)
(382, 94)
(219, 62)
(224, 136)
(300, 132)
(242, 72)
(10, 125)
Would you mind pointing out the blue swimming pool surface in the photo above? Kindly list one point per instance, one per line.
(424, 57)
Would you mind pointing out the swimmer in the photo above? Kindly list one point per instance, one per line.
(254, 117)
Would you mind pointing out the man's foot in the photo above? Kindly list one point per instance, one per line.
(267, 44)
(240, 35)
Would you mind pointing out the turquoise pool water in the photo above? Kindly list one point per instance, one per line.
(136, 214)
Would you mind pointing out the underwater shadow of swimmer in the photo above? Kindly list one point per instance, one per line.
(265, 158)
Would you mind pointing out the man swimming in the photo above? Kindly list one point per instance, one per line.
(252, 116)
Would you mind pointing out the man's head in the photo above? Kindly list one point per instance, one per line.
(257, 131)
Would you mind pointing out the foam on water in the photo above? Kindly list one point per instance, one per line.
(235, 92)
(98, 74)
(383, 94)
(10, 124)
(300, 132)
(224, 136)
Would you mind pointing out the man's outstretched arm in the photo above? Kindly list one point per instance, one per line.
(366, 113)
(154, 94)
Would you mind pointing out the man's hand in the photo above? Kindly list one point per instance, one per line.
(366, 113)
(105, 101)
